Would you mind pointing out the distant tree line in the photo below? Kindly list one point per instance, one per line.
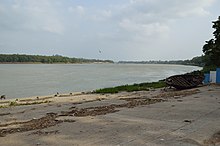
(196, 61)
(17, 58)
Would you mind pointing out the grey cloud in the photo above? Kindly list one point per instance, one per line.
(170, 8)
(160, 11)
(151, 18)
(135, 28)
(31, 16)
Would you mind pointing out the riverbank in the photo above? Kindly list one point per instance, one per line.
(154, 117)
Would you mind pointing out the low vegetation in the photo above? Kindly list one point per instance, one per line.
(131, 88)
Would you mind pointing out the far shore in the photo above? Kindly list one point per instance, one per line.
(53, 63)
(37, 63)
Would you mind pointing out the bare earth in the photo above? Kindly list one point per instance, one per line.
(148, 118)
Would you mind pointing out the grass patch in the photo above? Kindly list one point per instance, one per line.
(131, 88)
(13, 103)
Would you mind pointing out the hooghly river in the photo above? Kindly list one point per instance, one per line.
(25, 80)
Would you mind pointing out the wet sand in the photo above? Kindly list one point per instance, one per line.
(153, 118)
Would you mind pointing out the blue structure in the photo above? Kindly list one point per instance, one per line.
(207, 79)
(218, 75)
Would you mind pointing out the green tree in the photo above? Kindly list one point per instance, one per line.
(211, 49)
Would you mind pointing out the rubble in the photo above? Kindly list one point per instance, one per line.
(186, 81)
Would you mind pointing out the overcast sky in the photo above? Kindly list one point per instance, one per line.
(107, 29)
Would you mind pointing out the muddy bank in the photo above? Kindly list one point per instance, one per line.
(101, 119)
(50, 119)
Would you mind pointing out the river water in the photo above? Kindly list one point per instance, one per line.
(25, 80)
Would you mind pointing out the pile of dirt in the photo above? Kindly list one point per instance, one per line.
(139, 101)
(34, 124)
(94, 111)
(131, 103)
(177, 94)
(103, 110)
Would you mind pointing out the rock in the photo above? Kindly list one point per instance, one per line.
(3, 97)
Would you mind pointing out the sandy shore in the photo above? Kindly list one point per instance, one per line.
(153, 118)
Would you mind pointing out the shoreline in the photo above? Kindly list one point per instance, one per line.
(35, 76)
(99, 63)
(6, 101)
(144, 86)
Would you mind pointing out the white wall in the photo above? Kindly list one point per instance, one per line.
(212, 76)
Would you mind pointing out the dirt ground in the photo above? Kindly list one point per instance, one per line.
(149, 118)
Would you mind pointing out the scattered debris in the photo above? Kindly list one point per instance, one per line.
(4, 114)
(40, 132)
(15, 103)
(185, 81)
(98, 99)
(176, 97)
(68, 120)
(102, 110)
(94, 111)
(34, 99)
(177, 94)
